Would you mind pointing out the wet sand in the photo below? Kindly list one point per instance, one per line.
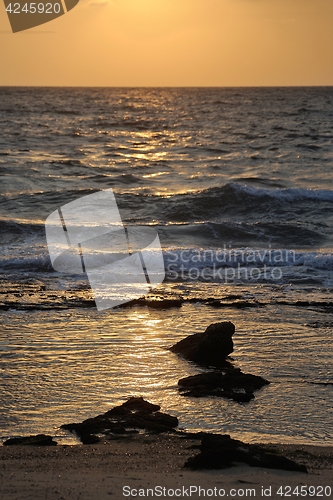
(152, 466)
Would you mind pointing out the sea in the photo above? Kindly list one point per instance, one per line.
(238, 184)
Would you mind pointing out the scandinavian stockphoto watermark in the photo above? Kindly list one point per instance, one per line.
(122, 262)
(228, 264)
(24, 15)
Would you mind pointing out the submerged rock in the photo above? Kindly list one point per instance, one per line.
(37, 440)
(134, 414)
(231, 383)
(208, 348)
(220, 451)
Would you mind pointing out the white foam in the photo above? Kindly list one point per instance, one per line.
(285, 194)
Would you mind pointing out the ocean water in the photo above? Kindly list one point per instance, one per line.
(238, 182)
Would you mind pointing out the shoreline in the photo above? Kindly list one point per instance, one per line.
(147, 461)
(280, 412)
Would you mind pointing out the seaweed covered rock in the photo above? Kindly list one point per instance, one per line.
(208, 348)
(134, 414)
(218, 451)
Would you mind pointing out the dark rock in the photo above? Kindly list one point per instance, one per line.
(89, 439)
(208, 348)
(242, 304)
(233, 296)
(211, 348)
(220, 451)
(230, 383)
(37, 440)
(139, 404)
(155, 302)
(241, 397)
(165, 420)
(239, 304)
(164, 303)
(136, 413)
(210, 379)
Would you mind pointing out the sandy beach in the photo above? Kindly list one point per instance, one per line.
(152, 466)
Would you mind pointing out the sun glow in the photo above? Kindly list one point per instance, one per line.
(172, 43)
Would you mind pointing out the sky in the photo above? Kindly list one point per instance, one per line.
(174, 43)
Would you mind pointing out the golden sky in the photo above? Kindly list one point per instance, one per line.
(174, 43)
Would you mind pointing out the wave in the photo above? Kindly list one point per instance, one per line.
(237, 234)
(132, 124)
(243, 201)
(208, 204)
(70, 162)
(20, 228)
(251, 257)
(107, 180)
(265, 181)
(200, 258)
(283, 194)
(246, 265)
(42, 202)
(236, 214)
(26, 263)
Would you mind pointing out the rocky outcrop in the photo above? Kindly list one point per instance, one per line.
(134, 414)
(211, 348)
(208, 348)
(220, 451)
(231, 383)
(37, 440)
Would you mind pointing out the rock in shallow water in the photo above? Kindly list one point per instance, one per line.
(135, 413)
(37, 440)
(211, 348)
(231, 383)
(208, 348)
